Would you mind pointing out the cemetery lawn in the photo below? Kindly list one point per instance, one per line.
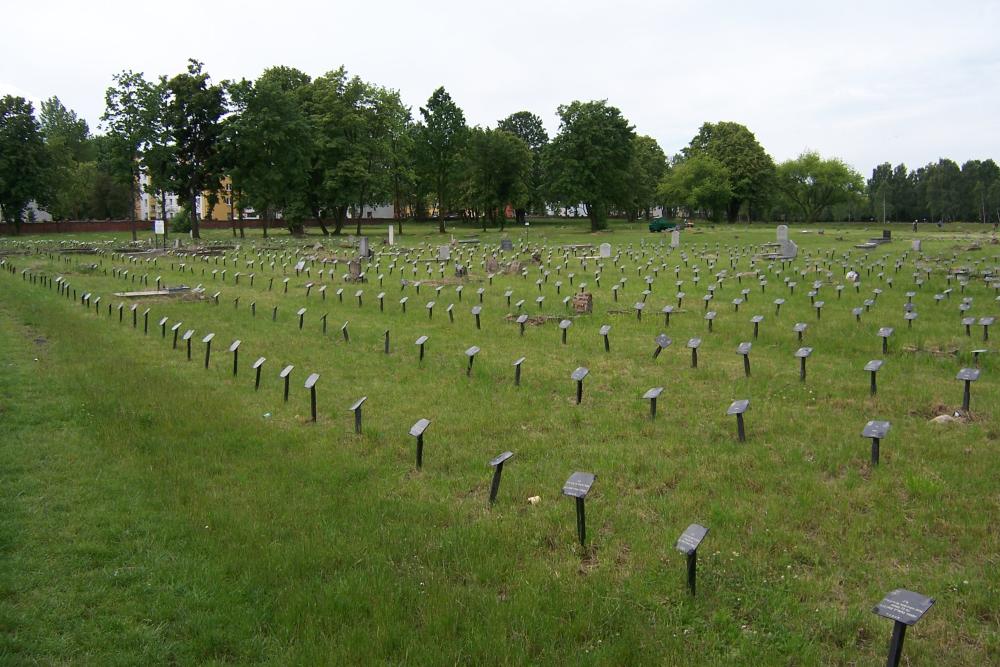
(153, 511)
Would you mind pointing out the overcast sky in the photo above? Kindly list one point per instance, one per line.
(907, 81)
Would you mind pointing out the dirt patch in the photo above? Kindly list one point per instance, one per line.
(41, 340)
(931, 412)
(532, 321)
(934, 349)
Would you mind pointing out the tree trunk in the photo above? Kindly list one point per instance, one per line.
(242, 233)
(733, 210)
(339, 214)
(263, 219)
(322, 226)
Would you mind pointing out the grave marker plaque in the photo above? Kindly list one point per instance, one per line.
(188, 335)
(207, 340)
(873, 367)
(904, 608)
(417, 431)
(311, 386)
(688, 544)
(517, 371)
(803, 353)
(578, 375)
(968, 376)
(356, 409)
(743, 349)
(694, 344)
(662, 342)
(497, 465)
(286, 374)
(471, 354)
(738, 408)
(651, 395)
(420, 342)
(876, 430)
(577, 487)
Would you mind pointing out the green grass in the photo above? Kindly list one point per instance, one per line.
(153, 511)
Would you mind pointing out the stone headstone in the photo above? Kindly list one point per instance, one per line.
(605, 250)
(675, 239)
(392, 235)
(444, 253)
(363, 248)
(506, 245)
(916, 245)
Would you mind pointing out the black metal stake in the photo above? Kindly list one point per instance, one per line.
(746, 364)
(740, 429)
(875, 443)
(312, 401)
(966, 395)
(692, 559)
(581, 520)
(495, 484)
(874, 387)
(579, 392)
(694, 357)
(420, 450)
(896, 644)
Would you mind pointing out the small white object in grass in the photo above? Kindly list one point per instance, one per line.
(534, 500)
(852, 276)
(267, 415)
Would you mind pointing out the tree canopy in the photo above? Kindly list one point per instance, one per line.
(813, 184)
(589, 160)
(23, 159)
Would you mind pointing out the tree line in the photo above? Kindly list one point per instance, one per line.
(296, 148)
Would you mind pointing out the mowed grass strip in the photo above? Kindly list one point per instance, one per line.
(322, 546)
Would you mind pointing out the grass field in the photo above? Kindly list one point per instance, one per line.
(153, 511)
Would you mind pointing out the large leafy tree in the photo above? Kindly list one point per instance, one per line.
(699, 183)
(441, 138)
(646, 170)
(127, 120)
(813, 184)
(268, 143)
(942, 187)
(530, 129)
(337, 107)
(400, 140)
(72, 170)
(23, 159)
(588, 161)
(751, 169)
(193, 125)
(498, 166)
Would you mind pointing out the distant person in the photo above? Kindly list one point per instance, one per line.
(914, 225)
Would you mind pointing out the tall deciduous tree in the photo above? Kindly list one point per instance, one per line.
(751, 169)
(268, 143)
(813, 184)
(442, 136)
(588, 161)
(530, 129)
(193, 121)
(126, 119)
(699, 183)
(498, 166)
(22, 159)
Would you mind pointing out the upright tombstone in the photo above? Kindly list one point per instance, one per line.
(688, 544)
(675, 239)
(904, 608)
(311, 386)
(578, 486)
(605, 250)
(392, 236)
(876, 430)
(738, 408)
(417, 431)
(497, 465)
(444, 253)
